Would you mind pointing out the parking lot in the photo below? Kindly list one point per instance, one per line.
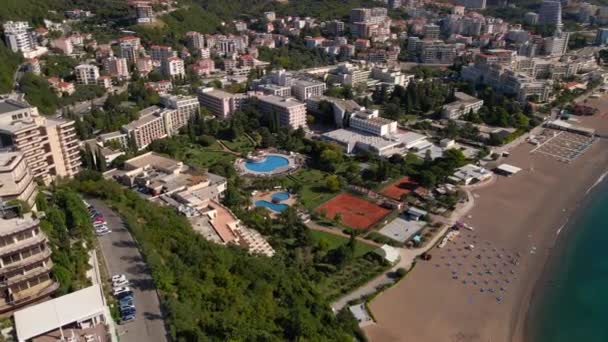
(564, 146)
(122, 257)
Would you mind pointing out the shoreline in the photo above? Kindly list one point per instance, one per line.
(520, 213)
(535, 306)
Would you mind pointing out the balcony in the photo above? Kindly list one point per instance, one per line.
(23, 244)
(29, 275)
(43, 255)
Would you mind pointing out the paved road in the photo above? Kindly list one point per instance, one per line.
(122, 257)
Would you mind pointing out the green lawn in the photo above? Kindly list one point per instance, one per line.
(313, 191)
(334, 241)
(207, 156)
(240, 144)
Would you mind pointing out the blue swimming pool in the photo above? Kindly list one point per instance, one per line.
(280, 196)
(268, 164)
(278, 207)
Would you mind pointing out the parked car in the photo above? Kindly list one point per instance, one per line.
(127, 312)
(120, 283)
(124, 307)
(119, 277)
(102, 233)
(125, 296)
(127, 318)
(119, 290)
(126, 302)
(99, 219)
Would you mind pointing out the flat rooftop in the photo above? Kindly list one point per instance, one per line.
(10, 226)
(11, 105)
(280, 101)
(7, 159)
(50, 315)
(147, 116)
(152, 159)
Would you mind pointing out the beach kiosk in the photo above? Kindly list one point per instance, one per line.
(507, 169)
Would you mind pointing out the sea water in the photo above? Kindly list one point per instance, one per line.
(571, 300)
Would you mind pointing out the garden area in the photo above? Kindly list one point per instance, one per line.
(359, 271)
(313, 189)
(332, 241)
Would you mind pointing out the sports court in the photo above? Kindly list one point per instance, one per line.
(356, 212)
(399, 188)
(562, 145)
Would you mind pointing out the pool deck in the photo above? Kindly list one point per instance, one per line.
(295, 162)
(267, 196)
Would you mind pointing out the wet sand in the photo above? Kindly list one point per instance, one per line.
(518, 215)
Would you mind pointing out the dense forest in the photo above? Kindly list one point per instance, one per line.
(218, 293)
(70, 232)
(8, 66)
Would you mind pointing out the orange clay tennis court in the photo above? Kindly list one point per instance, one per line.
(356, 212)
(399, 188)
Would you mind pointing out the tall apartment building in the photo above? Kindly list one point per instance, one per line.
(144, 12)
(556, 45)
(16, 178)
(130, 51)
(173, 67)
(195, 40)
(86, 74)
(64, 147)
(438, 53)
(116, 67)
(372, 15)
(222, 104)
(25, 261)
(335, 27)
(290, 112)
(18, 36)
(149, 127)
(550, 13)
(601, 37)
(430, 32)
(49, 146)
(185, 108)
(161, 52)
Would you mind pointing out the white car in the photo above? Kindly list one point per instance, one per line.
(120, 283)
(102, 233)
(119, 277)
(122, 289)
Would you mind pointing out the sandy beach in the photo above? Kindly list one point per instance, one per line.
(484, 294)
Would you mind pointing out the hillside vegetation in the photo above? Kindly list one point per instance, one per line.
(8, 65)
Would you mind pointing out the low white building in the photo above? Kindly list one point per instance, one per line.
(470, 174)
(463, 105)
(389, 253)
(74, 315)
(369, 121)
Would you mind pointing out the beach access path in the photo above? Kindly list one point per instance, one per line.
(407, 256)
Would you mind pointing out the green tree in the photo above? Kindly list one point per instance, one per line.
(332, 183)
